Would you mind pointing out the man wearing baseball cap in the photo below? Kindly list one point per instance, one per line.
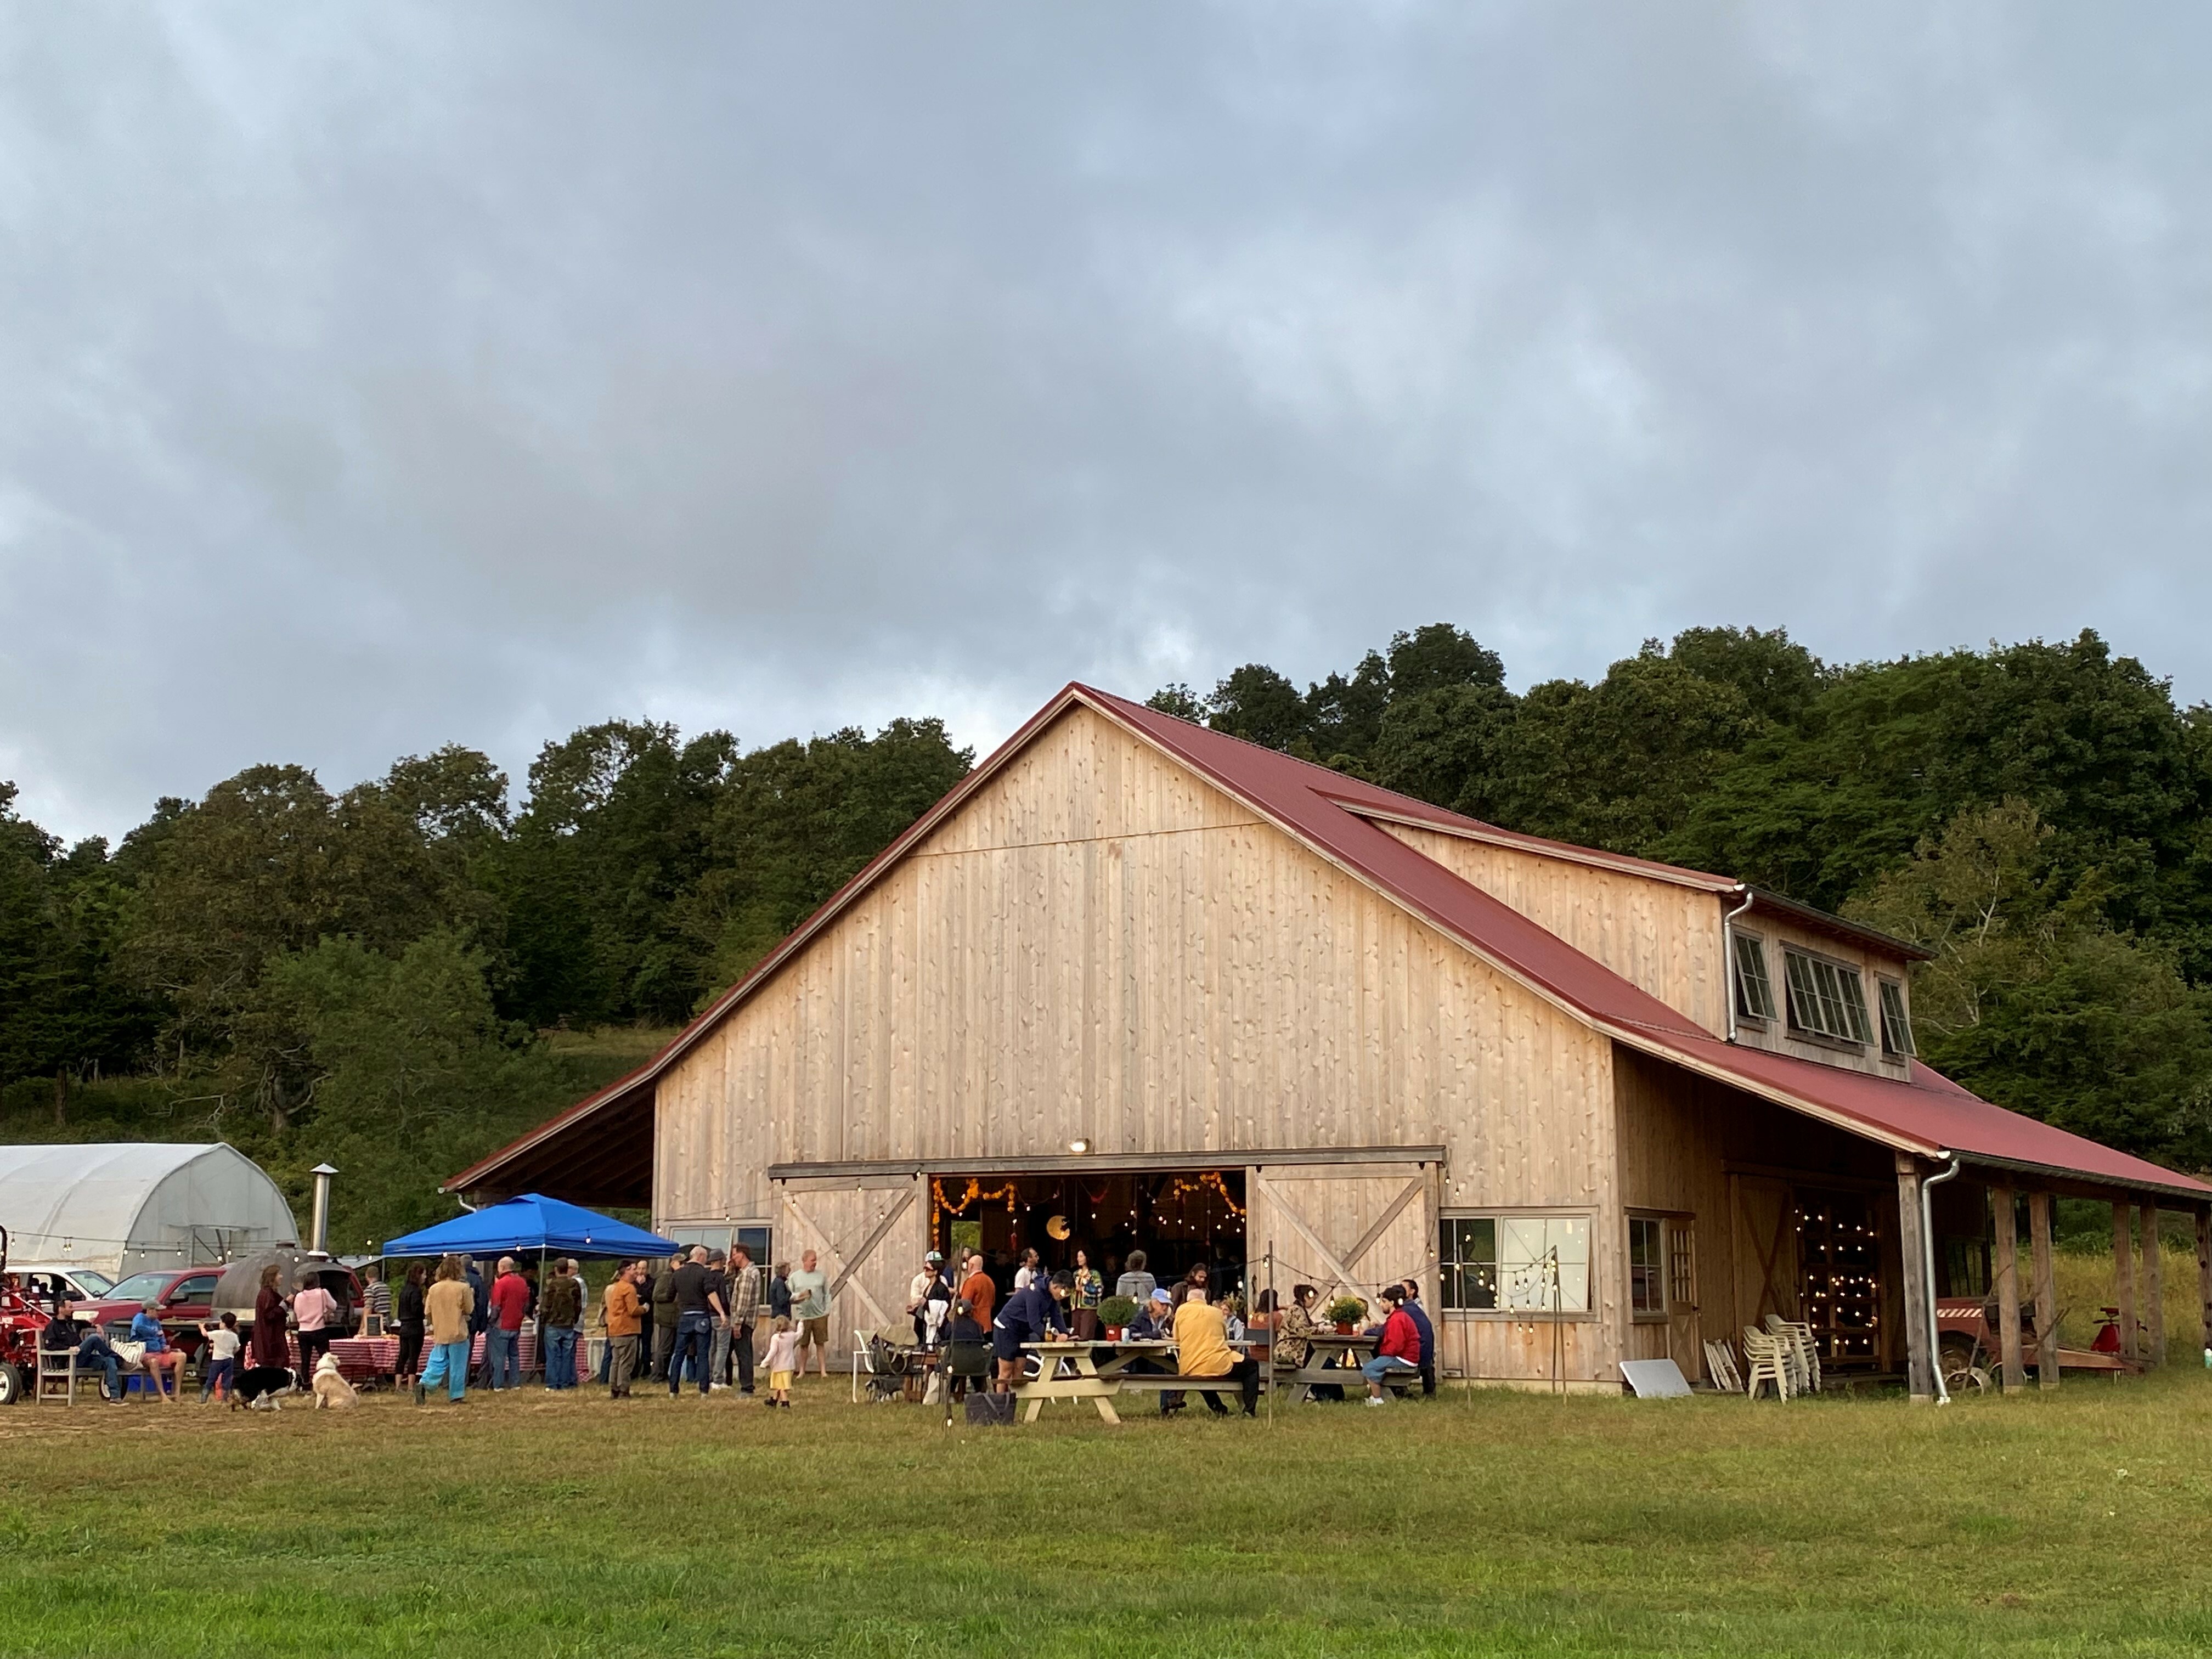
(929, 1298)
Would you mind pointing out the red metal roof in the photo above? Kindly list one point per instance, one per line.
(1328, 812)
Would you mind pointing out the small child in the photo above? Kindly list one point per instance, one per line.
(782, 1361)
(222, 1363)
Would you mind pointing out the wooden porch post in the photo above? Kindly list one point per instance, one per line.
(2124, 1276)
(1920, 1357)
(2153, 1261)
(2046, 1291)
(2204, 1271)
(2006, 1267)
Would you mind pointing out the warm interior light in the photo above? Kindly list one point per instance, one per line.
(1078, 1145)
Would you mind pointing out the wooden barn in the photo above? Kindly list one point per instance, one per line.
(1136, 983)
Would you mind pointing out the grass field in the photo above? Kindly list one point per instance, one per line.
(524, 1526)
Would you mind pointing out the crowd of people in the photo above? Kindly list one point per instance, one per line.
(700, 1317)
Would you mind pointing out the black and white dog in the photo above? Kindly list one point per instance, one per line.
(259, 1388)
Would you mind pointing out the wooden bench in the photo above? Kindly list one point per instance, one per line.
(1149, 1383)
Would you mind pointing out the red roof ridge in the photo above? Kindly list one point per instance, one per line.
(1322, 809)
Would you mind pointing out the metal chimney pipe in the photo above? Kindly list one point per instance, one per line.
(318, 1232)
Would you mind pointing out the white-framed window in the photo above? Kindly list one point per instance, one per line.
(1826, 999)
(1526, 1264)
(1647, 1266)
(1896, 1027)
(1754, 990)
(1682, 1261)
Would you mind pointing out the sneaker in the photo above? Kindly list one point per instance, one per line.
(719, 1386)
(1372, 1400)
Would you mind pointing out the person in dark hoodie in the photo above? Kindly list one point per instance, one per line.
(1031, 1314)
(479, 1315)
(1420, 1318)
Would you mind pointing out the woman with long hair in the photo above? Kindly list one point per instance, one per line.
(411, 1326)
(269, 1311)
(1089, 1291)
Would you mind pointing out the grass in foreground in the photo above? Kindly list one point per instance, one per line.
(526, 1525)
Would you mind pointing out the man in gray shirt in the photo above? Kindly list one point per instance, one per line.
(810, 1311)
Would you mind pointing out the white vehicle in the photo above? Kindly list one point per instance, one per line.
(41, 1280)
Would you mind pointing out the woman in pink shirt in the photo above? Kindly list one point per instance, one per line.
(312, 1309)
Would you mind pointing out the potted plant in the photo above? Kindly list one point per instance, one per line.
(1115, 1313)
(1343, 1313)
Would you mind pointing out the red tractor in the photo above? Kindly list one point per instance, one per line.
(22, 1319)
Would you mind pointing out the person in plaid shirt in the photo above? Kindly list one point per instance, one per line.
(747, 1309)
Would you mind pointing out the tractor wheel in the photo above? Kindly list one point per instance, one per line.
(1961, 1375)
(11, 1384)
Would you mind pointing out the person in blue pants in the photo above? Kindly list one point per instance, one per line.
(446, 1311)
(698, 1305)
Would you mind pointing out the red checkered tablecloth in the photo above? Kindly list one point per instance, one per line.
(373, 1358)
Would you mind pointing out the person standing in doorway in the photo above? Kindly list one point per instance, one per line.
(411, 1292)
(664, 1315)
(979, 1292)
(1135, 1282)
(625, 1317)
(560, 1307)
(1090, 1291)
(448, 1309)
(1029, 1272)
(698, 1304)
(809, 1312)
(510, 1305)
(746, 1309)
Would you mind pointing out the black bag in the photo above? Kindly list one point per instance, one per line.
(985, 1410)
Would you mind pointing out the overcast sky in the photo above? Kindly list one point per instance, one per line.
(377, 376)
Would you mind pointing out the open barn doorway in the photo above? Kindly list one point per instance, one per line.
(1176, 1217)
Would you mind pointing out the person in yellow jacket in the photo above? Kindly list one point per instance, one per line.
(625, 1318)
(1201, 1336)
(446, 1311)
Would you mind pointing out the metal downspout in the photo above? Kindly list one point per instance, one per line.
(1727, 951)
(1928, 1247)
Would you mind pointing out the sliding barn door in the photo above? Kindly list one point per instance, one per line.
(869, 1238)
(1337, 1227)
(1766, 1241)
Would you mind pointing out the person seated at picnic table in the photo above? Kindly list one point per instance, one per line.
(1031, 1315)
(1201, 1334)
(1293, 1326)
(1155, 1319)
(1399, 1351)
(159, 1356)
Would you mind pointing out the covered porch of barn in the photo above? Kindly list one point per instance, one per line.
(1908, 1264)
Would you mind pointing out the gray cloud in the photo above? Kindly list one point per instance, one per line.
(380, 377)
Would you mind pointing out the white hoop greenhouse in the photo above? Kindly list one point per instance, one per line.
(138, 1207)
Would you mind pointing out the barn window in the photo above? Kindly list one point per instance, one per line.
(1515, 1263)
(1896, 1028)
(1754, 991)
(1681, 1264)
(1825, 998)
(1647, 1291)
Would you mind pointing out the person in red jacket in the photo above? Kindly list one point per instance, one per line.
(510, 1304)
(1398, 1352)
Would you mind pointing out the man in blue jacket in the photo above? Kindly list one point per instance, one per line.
(1030, 1314)
(1413, 1306)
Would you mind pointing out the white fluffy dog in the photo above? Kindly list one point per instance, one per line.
(332, 1390)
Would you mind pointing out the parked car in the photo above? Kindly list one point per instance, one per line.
(179, 1298)
(44, 1281)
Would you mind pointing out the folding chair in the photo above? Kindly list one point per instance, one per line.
(1720, 1366)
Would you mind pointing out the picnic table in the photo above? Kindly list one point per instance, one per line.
(1089, 1379)
(1349, 1352)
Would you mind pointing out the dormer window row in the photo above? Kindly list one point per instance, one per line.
(1825, 998)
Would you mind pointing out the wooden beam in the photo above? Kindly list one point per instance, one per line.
(2006, 1212)
(2204, 1274)
(2124, 1276)
(1414, 1189)
(2046, 1291)
(1920, 1355)
(2153, 1294)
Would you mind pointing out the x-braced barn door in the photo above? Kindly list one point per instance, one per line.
(869, 1239)
(1765, 1212)
(1342, 1226)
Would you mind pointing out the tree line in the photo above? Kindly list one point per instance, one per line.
(2035, 814)
(380, 976)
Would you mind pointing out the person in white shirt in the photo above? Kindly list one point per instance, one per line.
(219, 1371)
(1029, 1271)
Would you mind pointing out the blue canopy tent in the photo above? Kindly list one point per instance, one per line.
(532, 1222)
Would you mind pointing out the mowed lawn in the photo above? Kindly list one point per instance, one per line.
(1498, 1523)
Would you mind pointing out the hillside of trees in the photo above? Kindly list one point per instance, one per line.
(397, 977)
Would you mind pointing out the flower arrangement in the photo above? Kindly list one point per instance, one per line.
(1116, 1311)
(1344, 1311)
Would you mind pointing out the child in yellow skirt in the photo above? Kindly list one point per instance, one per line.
(782, 1362)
